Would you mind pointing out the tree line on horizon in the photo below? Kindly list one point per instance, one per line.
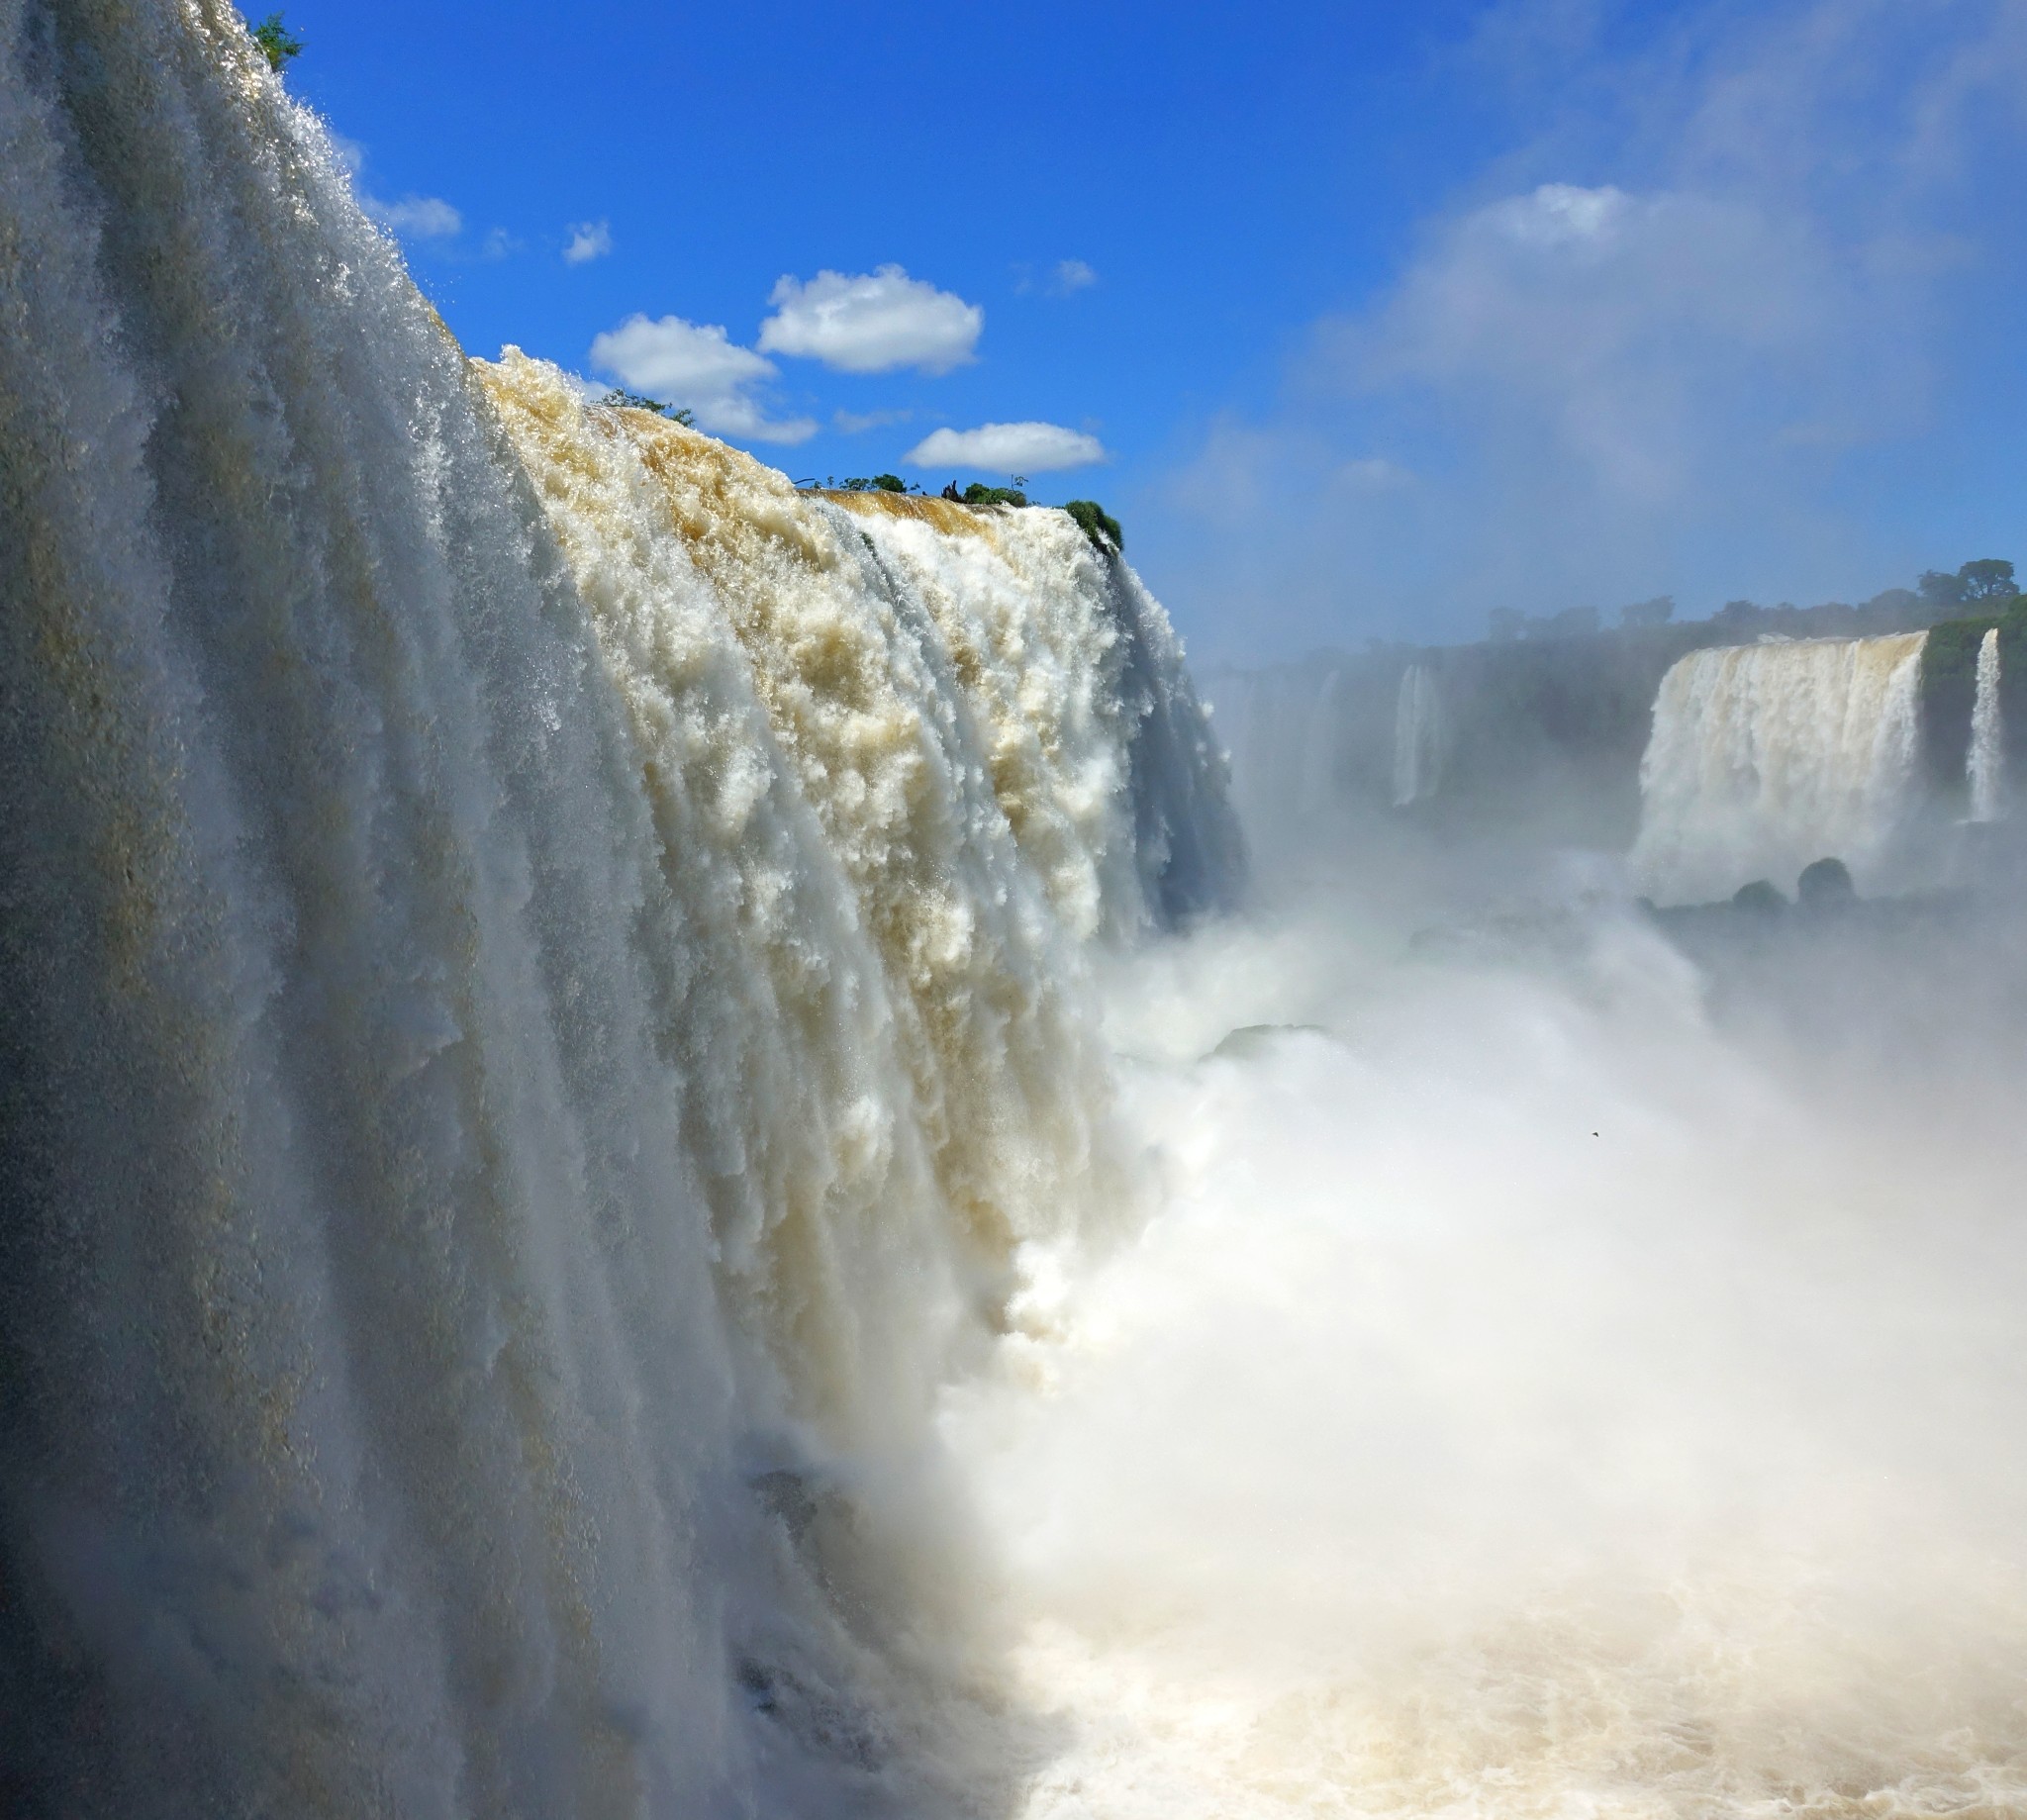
(1984, 585)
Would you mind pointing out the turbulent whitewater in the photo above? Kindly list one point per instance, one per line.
(546, 998)
(1765, 757)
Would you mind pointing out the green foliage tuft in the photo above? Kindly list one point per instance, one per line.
(277, 44)
(979, 494)
(620, 399)
(1098, 524)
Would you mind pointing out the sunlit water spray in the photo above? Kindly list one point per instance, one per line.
(601, 1218)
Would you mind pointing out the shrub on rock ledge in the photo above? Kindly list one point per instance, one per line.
(1098, 524)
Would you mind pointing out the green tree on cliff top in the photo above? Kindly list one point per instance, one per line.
(276, 42)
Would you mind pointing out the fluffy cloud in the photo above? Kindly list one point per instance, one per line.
(588, 240)
(1007, 448)
(871, 323)
(419, 218)
(696, 365)
(1071, 275)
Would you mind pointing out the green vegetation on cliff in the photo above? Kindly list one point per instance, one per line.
(622, 399)
(1098, 524)
(1949, 673)
(1949, 663)
(277, 44)
(979, 494)
(1949, 687)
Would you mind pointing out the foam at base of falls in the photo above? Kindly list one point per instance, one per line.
(1765, 757)
(1532, 1397)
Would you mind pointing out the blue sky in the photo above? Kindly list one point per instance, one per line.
(1362, 318)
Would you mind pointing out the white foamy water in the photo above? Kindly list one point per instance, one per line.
(546, 994)
(1985, 762)
(1765, 757)
(1524, 1403)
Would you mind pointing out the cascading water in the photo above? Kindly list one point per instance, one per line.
(1984, 763)
(544, 997)
(1765, 757)
(1418, 737)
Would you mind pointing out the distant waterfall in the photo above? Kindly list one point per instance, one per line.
(1319, 783)
(1281, 727)
(1765, 757)
(1985, 765)
(545, 989)
(1418, 737)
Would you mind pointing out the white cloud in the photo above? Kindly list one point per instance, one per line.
(1007, 449)
(419, 218)
(696, 365)
(871, 323)
(1071, 275)
(588, 240)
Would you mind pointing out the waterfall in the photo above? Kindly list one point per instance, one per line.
(1317, 784)
(1272, 719)
(1985, 764)
(1418, 737)
(1765, 757)
(546, 984)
